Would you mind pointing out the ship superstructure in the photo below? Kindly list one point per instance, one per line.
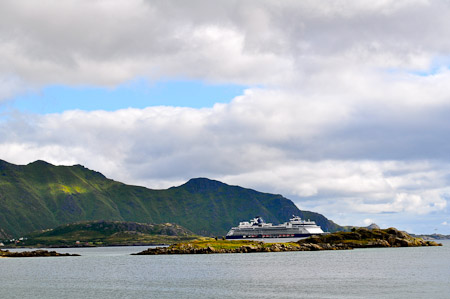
(258, 229)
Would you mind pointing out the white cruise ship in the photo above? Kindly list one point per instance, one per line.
(258, 229)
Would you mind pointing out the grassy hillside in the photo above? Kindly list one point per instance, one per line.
(104, 233)
(41, 196)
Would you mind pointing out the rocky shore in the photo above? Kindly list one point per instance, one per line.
(367, 238)
(358, 238)
(34, 253)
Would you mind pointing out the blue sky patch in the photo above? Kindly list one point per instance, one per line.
(136, 94)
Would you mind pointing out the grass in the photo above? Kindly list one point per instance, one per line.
(202, 243)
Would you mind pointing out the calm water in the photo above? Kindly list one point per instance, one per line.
(113, 273)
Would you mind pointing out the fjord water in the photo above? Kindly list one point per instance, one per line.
(111, 272)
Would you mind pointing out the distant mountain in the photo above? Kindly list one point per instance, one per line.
(373, 226)
(41, 196)
(432, 237)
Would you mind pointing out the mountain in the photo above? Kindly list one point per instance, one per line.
(40, 196)
(373, 226)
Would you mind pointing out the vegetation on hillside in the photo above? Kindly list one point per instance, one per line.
(41, 196)
(107, 233)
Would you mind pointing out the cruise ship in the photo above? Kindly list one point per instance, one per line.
(258, 229)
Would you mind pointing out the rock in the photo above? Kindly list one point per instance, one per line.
(378, 243)
(432, 243)
(404, 243)
(391, 240)
(397, 233)
(275, 248)
(35, 253)
(313, 246)
(358, 238)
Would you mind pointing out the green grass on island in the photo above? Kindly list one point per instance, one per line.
(212, 245)
(358, 238)
(203, 243)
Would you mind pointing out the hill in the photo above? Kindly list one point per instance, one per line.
(41, 196)
(107, 233)
(432, 237)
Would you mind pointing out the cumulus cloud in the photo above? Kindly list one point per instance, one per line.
(9, 86)
(287, 148)
(100, 42)
(368, 221)
(350, 116)
(103, 42)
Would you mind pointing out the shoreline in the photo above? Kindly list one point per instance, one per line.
(81, 246)
(34, 253)
(358, 238)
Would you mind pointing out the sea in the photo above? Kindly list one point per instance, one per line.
(112, 272)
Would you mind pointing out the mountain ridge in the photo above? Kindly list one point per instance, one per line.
(40, 195)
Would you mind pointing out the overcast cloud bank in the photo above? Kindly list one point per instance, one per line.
(350, 116)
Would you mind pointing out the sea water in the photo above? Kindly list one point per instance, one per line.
(111, 272)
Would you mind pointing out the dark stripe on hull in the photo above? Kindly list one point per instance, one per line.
(270, 237)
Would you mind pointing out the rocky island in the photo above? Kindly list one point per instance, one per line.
(35, 253)
(358, 238)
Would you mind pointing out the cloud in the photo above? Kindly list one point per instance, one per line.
(320, 153)
(368, 221)
(256, 42)
(9, 86)
(301, 148)
(347, 112)
(98, 42)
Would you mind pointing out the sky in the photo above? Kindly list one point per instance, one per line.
(339, 105)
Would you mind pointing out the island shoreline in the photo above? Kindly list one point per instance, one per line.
(358, 238)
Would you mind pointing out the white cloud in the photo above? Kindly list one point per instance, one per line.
(368, 221)
(256, 42)
(9, 86)
(344, 120)
(289, 148)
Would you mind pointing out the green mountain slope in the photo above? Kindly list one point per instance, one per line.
(41, 196)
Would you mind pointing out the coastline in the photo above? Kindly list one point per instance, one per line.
(34, 253)
(358, 238)
(81, 246)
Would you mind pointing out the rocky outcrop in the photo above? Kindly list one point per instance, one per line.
(252, 247)
(35, 253)
(358, 238)
(367, 238)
